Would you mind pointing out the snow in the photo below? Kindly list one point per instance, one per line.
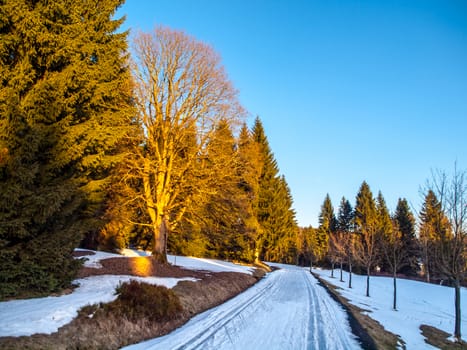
(417, 303)
(94, 259)
(192, 263)
(286, 310)
(208, 264)
(46, 315)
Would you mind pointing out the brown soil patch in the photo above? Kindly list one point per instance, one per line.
(138, 266)
(86, 332)
(439, 339)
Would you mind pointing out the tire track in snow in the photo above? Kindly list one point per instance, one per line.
(286, 310)
(313, 326)
(332, 318)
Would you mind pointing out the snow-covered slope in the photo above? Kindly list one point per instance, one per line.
(46, 315)
(418, 303)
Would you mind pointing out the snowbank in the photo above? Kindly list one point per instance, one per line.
(417, 303)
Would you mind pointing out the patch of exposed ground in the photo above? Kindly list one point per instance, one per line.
(371, 334)
(439, 338)
(138, 266)
(86, 332)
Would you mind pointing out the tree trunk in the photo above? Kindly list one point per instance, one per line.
(341, 273)
(394, 302)
(159, 242)
(457, 329)
(427, 269)
(368, 281)
(332, 270)
(350, 274)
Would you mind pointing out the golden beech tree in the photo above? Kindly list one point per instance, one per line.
(182, 94)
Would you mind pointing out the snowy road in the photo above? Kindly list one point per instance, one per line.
(285, 310)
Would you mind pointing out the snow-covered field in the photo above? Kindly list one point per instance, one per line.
(286, 310)
(418, 303)
(46, 315)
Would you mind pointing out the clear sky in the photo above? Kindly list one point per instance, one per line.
(347, 90)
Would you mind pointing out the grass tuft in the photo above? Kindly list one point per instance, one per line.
(138, 300)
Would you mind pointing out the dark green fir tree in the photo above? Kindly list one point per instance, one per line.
(279, 231)
(366, 227)
(345, 216)
(406, 223)
(65, 107)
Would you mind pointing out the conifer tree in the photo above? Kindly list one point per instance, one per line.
(327, 218)
(406, 224)
(433, 224)
(345, 216)
(327, 226)
(345, 224)
(224, 214)
(267, 184)
(384, 226)
(383, 216)
(278, 236)
(366, 223)
(249, 170)
(64, 110)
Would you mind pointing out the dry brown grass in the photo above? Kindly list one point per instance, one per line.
(112, 332)
(439, 338)
(371, 333)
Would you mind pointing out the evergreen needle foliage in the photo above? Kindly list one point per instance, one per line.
(64, 110)
(278, 237)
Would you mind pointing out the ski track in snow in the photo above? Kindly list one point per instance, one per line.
(288, 309)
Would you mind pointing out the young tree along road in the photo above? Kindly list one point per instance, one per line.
(287, 310)
(450, 246)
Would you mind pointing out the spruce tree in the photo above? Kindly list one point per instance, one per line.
(64, 109)
(345, 216)
(267, 184)
(384, 226)
(225, 209)
(406, 224)
(327, 218)
(327, 228)
(433, 226)
(278, 236)
(366, 224)
(345, 227)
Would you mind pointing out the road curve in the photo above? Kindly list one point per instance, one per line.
(286, 310)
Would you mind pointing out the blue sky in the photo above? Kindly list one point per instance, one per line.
(347, 90)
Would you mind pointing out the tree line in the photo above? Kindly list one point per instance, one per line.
(106, 150)
(369, 238)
